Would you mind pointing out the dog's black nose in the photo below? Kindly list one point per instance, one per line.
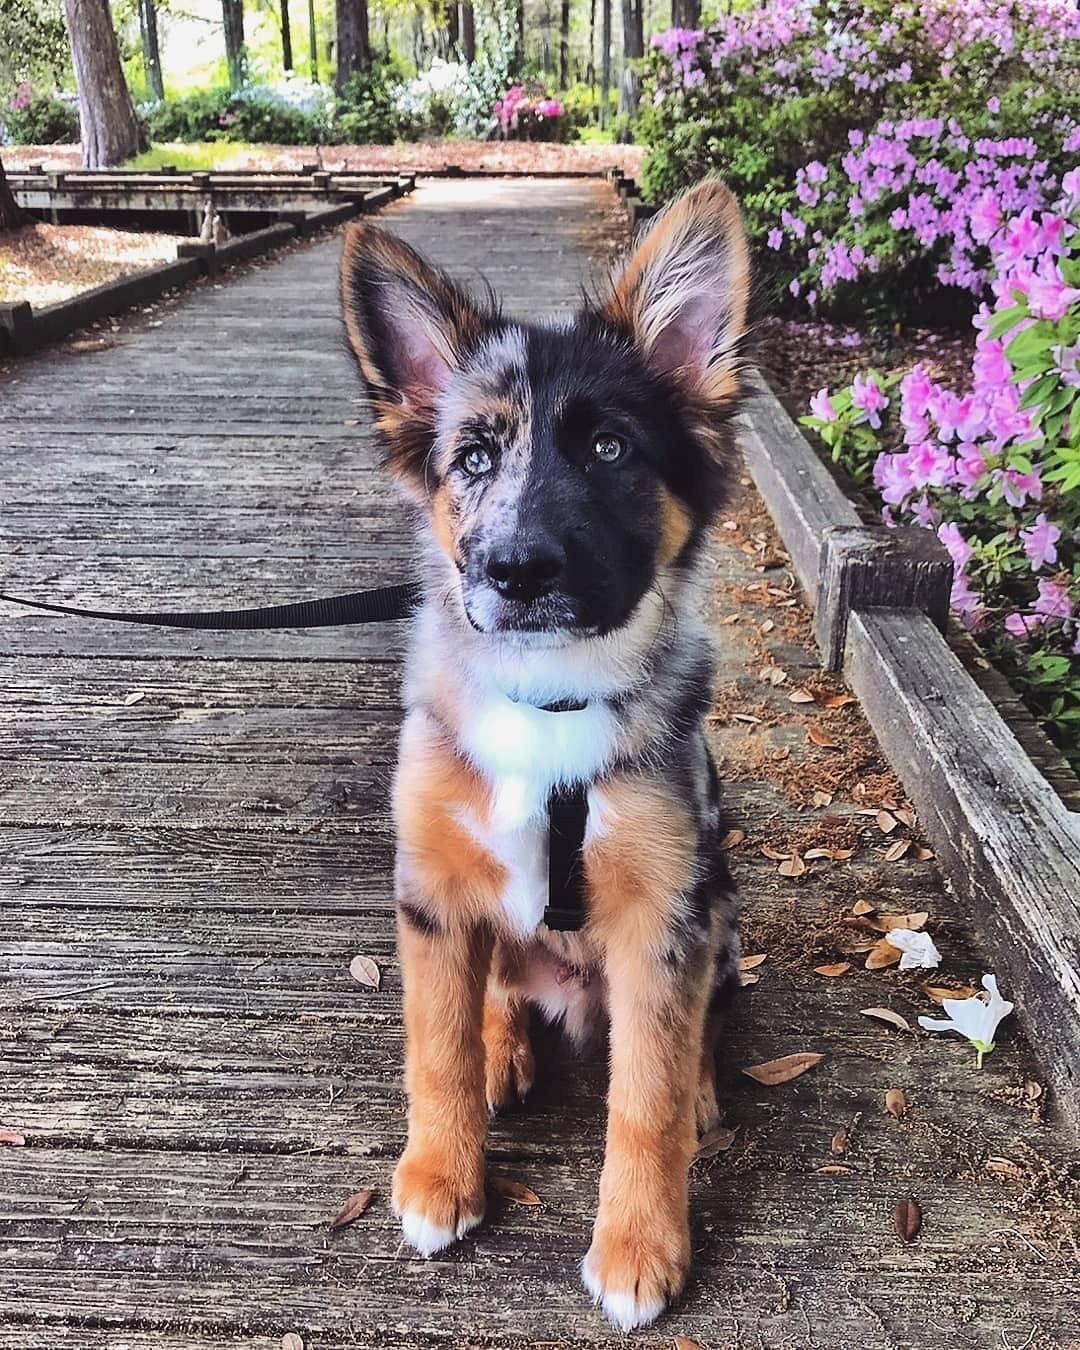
(525, 569)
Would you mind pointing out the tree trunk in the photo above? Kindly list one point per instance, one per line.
(453, 27)
(591, 73)
(232, 15)
(151, 47)
(686, 13)
(633, 50)
(605, 60)
(286, 37)
(110, 130)
(468, 31)
(313, 42)
(353, 40)
(564, 45)
(11, 213)
(517, 53)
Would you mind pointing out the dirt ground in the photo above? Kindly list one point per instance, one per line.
(47, 263)
(423, 157)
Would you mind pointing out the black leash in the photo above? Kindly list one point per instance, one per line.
(568, 809)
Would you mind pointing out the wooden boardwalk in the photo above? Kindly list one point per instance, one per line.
(194, 843)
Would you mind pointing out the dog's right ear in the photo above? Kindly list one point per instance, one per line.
(409, 327)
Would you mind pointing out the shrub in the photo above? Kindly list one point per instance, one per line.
(522, 116)
(995, 470)
(854, 133)
(368, 109)
(40, 119)
(293, 112)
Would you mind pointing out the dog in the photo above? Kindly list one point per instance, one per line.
(564, 477)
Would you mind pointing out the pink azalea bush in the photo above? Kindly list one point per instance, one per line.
(875, 147)
(995, 469)
(526, 117)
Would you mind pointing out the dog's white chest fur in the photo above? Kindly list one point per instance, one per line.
(524, 752)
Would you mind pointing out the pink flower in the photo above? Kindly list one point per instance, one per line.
(775, 239)
(1022, 625)
(867, 395)
(930, 465)
(1017, 487)
(970, 465)
(1040, 542)
(960, 550)
(892, 477)
(965, 601)
(1053, 601)
(821, 406)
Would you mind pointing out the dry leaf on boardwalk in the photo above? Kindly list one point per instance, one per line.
(685, 1343)
(717, 1140)
(885, 923)
(886, 823)
(792, 867)
(887, 1015)
(800, 696)
(1005, 1167)
(832, 971)
(938, 993)
(883, 954)
(839, 1142)
(821, 798)
(838, 700)
(784, 1069)
(364, 971)
(897, 850)
(863, 907)
(514, 1191)
(356, 1204)
(749, 962)
(777, 855)
(907, 1219)
(136, 696)
(821, 738)
(773, 675)
(292, 1340)
(732, 839)
(12, 1138)
(896, 1103)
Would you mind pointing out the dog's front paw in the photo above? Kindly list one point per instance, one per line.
(634, 1269)
(435, 1202)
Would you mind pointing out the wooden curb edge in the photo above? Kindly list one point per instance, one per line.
(1006, 842)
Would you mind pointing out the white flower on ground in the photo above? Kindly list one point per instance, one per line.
(918, 948)
(975, 1018)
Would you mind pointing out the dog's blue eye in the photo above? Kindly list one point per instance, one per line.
(476, 462)
(609, 449)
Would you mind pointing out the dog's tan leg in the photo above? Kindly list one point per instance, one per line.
(508, 1057)
(706, 1108)
(640, 1250)
(439, 1182)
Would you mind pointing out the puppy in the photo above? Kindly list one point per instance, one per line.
(564, 475)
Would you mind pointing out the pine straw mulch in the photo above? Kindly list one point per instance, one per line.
(44, 264)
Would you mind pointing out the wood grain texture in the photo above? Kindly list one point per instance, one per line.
(185, 879)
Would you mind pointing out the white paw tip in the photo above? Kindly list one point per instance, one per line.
(624, 1310)
(429, 1238)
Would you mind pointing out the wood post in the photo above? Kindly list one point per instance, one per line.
(17, 328)
(875, 567)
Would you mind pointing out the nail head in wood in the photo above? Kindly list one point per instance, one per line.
(874, 567)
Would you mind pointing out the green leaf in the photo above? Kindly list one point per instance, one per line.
(1005, 319)
(1039, 391)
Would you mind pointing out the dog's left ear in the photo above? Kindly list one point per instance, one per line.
(683, 294)
(409, 327)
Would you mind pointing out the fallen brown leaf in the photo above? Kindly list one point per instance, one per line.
(831, 972)
(792, 867)
(729, 619)
(839, 1142)
(863, 907)
(896, 1103)
(907, 1219)
(12, 1138)
(801, 696)
(1005, 1167)
(773, 675)
(774, 853)
(834, 1169)
(749, 718)
(351, 1210)
(1032, 1090)
(820, 738)
(685, 1343)
(937, 993)
(767, 626)
(292, 1340)
(897, 850)
(364, 971)
(838, 700)
(746, 978)
(886, 823)
(821, 798)
(885, 923)
(717, 1140)
(905, 815)
(784, 1069)
(732, 838)
(514, 1191)
(783, 753)
(749, 962)
(923, 854)
(883, 954)
(136, 696)
(887, 1015)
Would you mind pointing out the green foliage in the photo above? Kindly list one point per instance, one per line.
(257, 114)
(33, 47)
(41, 119)
(368, 110)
